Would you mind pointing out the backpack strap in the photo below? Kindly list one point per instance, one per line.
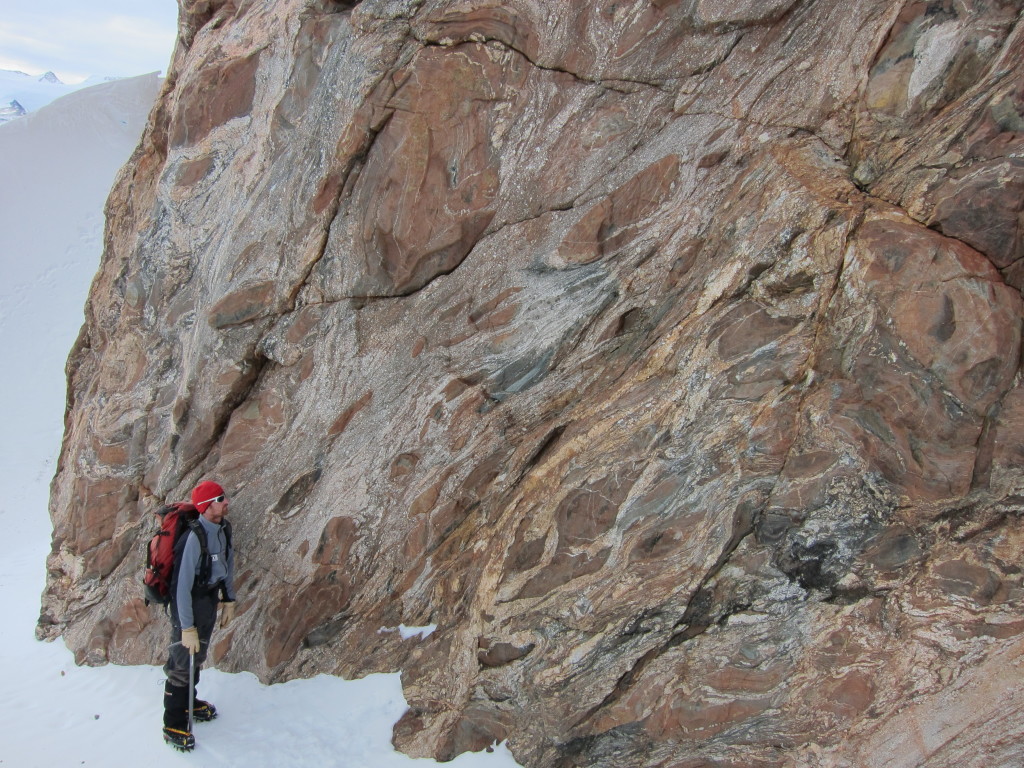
(204, 557)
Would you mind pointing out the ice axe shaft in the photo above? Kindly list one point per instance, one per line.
(191, 687)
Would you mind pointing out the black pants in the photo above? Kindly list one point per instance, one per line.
(204, 612)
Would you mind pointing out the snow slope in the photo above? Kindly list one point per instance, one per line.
(56, 167)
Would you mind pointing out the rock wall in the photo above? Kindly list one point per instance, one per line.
(664, 353)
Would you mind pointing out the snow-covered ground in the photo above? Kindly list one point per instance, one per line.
(56, 167)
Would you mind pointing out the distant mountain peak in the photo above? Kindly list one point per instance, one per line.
(11, 110)
(49, 77)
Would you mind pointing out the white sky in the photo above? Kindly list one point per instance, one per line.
(77, 39)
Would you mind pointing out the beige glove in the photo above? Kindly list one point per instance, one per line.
(227, 613)
(190, 639)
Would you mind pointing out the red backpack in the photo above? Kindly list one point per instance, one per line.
(161, 551)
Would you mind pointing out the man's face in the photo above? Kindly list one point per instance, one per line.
(216, 511)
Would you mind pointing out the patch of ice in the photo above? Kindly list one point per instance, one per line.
(406, 632)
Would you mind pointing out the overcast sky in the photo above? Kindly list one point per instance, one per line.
(77, 39)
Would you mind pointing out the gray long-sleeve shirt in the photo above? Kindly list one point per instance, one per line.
(222, 568)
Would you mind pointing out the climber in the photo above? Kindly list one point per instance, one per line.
(203, 577)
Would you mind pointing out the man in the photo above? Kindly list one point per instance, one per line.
(200, 581)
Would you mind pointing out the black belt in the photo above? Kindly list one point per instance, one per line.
(208, 590)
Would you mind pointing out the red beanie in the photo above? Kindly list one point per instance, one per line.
(204, 493)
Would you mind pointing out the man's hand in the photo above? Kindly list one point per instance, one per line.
(190, 639)
(227, 613)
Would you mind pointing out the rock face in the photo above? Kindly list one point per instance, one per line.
(664, 353)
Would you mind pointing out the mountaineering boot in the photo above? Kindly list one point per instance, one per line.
(203, 711)
(176, 731)
(183, 741)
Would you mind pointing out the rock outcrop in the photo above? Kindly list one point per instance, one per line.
(665, 354)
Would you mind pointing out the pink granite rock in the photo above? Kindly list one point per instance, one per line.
(665, 355)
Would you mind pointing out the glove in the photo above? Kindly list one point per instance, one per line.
(190, 639)
(227, 613)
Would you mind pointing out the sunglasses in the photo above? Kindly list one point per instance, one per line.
(214, 500)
